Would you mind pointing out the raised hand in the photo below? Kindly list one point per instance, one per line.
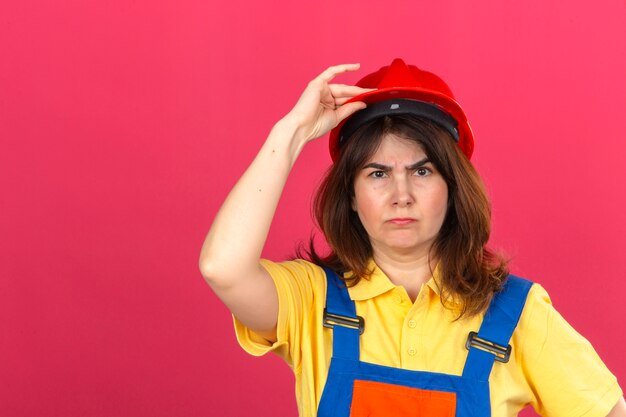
(322, 106)
(229, 260)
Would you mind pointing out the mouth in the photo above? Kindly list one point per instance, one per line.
(401, 221)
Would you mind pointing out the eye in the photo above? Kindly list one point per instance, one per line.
(423, 171)
(378, 174)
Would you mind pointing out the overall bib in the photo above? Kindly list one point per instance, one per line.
(359, 389)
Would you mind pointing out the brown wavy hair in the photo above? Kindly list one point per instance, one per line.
(470, 272)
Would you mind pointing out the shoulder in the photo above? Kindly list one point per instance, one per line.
(560, 363)
(546, 333)
(538, 317)
(299, 275)
(301, 289)
(297, 268)
(539, 322)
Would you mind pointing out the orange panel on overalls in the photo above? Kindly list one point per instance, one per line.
(377, 399)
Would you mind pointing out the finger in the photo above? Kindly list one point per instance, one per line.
(332, 72)
(348, 110)
(342, 90)
(341, 101)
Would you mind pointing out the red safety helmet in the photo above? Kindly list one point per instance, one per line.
(402, 89)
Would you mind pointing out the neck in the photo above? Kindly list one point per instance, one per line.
(408, 271)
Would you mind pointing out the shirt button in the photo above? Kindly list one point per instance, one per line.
(398, 299)
(412, 324)
(411, 351)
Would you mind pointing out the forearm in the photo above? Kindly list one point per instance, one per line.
(234, 243)
(229, 259)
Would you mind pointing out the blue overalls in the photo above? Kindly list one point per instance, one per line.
(355, 388)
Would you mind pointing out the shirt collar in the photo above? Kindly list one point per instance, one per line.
(378, 283)
(374, 285)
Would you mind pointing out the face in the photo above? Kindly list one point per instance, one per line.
(400, 198)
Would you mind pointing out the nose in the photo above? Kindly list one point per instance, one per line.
(403, 193)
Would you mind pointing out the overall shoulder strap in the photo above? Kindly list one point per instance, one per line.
(492, 341)
(340, 315)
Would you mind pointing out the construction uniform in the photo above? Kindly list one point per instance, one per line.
(550, 366)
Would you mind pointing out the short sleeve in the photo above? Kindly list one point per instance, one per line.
(298, 285)
(566, 375)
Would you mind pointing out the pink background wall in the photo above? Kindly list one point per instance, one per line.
(123, 124)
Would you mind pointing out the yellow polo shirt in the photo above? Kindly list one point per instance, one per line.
(552, 367)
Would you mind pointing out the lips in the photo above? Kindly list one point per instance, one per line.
(401, 221)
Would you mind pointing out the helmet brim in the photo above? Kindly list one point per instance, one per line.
(444, 102)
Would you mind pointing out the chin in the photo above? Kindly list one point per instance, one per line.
(408, 246)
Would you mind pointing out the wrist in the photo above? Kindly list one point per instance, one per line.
(287, 126)
(285, 138)
(292, 128)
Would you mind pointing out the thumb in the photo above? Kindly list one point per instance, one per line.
(348, 109)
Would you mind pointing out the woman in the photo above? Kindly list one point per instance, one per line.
(410, 314)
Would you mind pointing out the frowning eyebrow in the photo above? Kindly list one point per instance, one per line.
(418, 164)
(386, 168)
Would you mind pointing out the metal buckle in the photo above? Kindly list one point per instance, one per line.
(330, 320)
(502, 353)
